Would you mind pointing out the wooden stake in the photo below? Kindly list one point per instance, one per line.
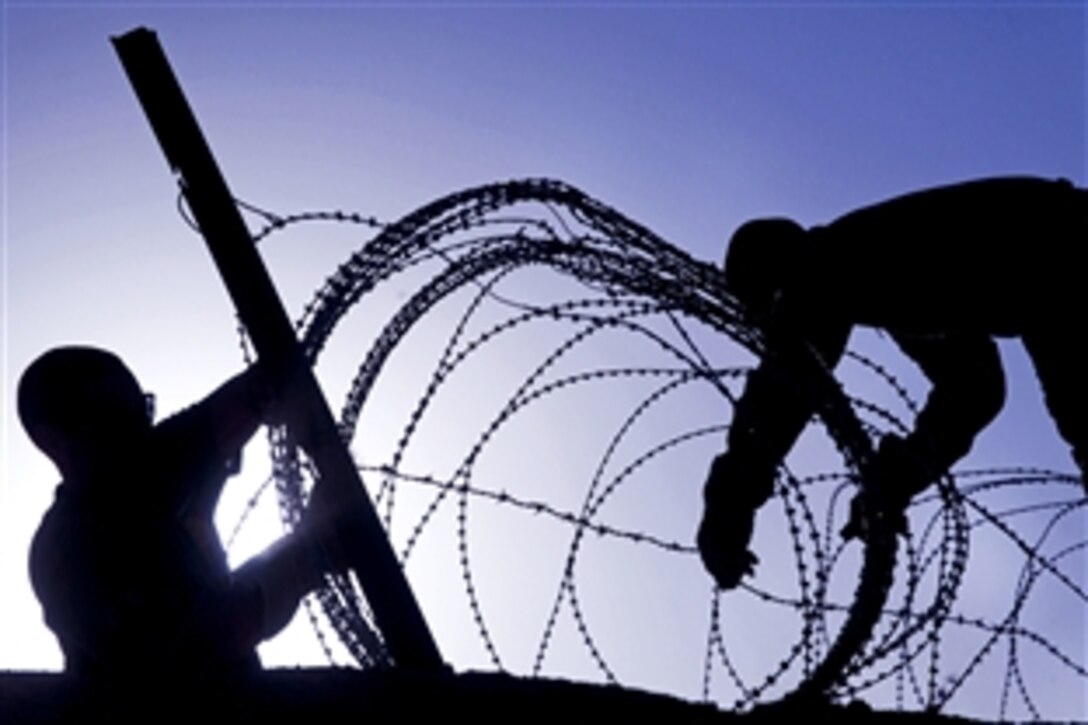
(309, 418)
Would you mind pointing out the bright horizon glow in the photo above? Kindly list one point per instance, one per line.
(688, 119)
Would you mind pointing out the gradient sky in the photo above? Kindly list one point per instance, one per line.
(689, 118)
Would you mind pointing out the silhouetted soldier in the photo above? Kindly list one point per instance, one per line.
(943, 271)
(126, 563)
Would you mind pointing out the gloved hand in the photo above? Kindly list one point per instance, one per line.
(868, 516)
(723, 545)
(735, 489)
(895, 475)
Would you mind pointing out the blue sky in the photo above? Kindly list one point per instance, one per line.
(689, 118)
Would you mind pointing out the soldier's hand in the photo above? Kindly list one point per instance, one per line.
(734, 490)
(868, 517)
(724, 551)
(891, 480)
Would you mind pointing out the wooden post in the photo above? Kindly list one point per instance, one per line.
(339, 488)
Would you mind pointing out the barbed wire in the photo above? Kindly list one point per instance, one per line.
(619, 284)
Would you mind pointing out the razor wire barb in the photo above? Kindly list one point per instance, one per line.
(891, 630)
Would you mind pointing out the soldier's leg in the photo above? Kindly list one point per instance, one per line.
(1062, 366)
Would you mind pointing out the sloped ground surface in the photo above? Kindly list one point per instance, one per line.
(342, 695)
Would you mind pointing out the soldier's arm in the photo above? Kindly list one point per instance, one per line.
(779, 397)
(968, 392)
(202, 443)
